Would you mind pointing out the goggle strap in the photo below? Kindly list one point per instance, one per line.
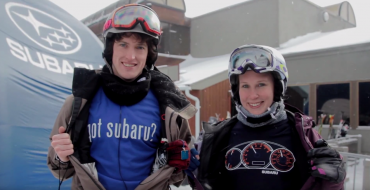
(135, 21)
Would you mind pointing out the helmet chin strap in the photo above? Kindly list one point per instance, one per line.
(108, 65)
(274, 114)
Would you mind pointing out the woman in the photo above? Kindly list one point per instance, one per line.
(113, 131)
(267, 145)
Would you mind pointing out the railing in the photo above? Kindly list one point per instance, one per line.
(358, 171)
(345, 141)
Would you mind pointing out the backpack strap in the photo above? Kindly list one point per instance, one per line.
(78, 131)
(76, 105)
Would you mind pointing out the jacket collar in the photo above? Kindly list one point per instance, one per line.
(87, 82)
(303, 125)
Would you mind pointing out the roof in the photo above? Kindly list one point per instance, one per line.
(199, 73)
(194, 70)
(174, 56)
(320, 41)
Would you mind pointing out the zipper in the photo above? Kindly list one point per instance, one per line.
(314, 183)
(302, 128)
(91, 177)
(305, 134)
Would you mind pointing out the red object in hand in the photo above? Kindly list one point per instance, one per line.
(174, 150)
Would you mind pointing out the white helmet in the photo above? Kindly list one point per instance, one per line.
(260, 59)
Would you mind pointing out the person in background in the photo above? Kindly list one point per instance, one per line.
(267, 145)
(125, 126)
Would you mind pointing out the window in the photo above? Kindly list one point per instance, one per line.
(164, 38)
(297, 96)
(364, 103)
(333, 99)
(163, 2)
(175, 39)
(178, 4)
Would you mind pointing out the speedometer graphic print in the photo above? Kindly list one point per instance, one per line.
(232, 159)
(282, 159)
(256, 155)
(260, 155)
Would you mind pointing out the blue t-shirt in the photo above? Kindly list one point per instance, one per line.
(124, 140)
(263, 158)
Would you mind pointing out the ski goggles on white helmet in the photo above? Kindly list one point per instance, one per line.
(258, 58)
(128, 16)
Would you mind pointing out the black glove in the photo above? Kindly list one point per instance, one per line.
(326, 163)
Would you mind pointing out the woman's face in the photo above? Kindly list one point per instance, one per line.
(256, 91)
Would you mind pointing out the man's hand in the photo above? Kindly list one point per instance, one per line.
(178, 154)
(62, 144)
(326, 162)
(194, 162)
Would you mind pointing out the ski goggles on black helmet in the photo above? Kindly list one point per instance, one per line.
(129, 16)
(258, 58)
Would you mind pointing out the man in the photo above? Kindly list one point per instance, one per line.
(113, 131)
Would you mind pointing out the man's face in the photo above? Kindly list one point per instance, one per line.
(129, 57)
(256, 91)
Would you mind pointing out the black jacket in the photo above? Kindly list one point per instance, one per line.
(212, 172)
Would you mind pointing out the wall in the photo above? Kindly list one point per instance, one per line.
(309, 18)
(339, 64)
(268, 22)
(214, 99)
(169, 15)
(222, 31)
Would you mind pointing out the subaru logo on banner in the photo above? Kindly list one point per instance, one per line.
(48, 32)
(40, 44)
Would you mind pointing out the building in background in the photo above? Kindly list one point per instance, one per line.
(328, 57)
